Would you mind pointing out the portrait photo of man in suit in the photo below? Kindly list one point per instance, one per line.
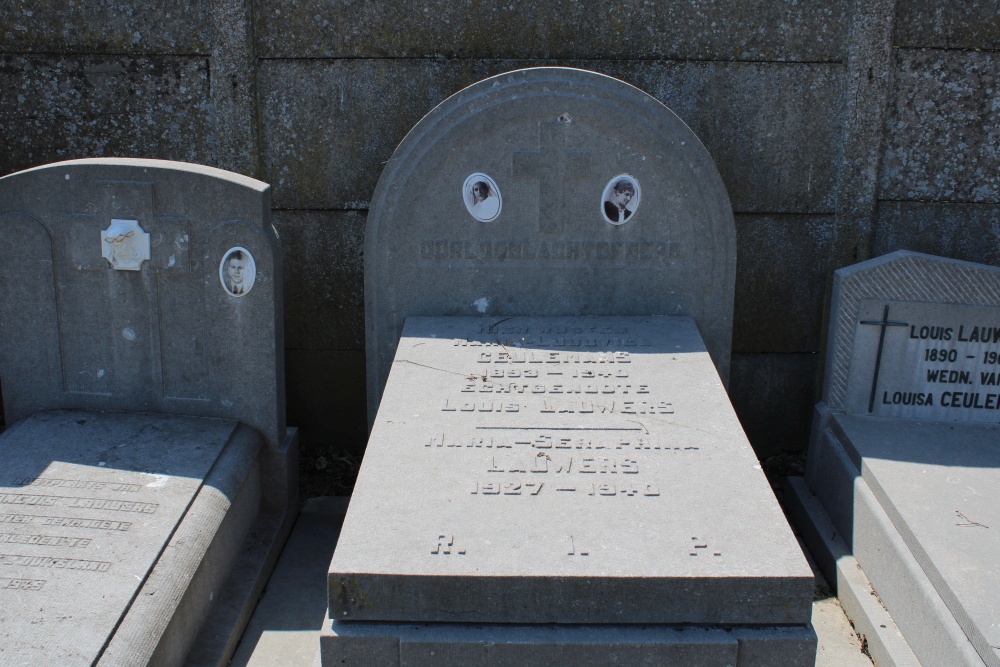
(238, 271)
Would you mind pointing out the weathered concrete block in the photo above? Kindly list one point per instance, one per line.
(326, 395)
(55, 108)
(329, 126)
(943, 132)
(969, 232)
(106, 26)
(324, 283)
(968, 24)
(773, 395)
(783, 264)
(722, 30)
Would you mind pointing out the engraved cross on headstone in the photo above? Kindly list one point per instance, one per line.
(129, 313)
(883, 323)
(553, 165)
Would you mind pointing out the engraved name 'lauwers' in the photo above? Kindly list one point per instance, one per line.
(82, 503)
(563, 407)
(19, 560)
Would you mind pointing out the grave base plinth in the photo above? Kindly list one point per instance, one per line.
(915, 503)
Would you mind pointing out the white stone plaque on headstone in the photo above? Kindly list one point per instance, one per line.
(926, 361)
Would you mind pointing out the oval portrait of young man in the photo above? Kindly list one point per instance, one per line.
(237, 271)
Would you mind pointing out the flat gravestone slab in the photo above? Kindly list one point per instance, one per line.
(88, 501)
(563, 469)
(940, 486)
(504, 200)
(925, 361)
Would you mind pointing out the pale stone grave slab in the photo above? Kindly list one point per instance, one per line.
(905, 457)
(550, 145)
(148, 477)
(572, 470)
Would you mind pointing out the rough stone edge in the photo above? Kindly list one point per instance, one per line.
(250, 572)
(894, 273)
(413, 143)
(886, 645)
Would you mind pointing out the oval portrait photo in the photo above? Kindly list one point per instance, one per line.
(620, 199)
(237, 271)
(482, 197)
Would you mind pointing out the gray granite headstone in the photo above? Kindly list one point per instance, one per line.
(142, 303)
(550, 145)
(905, 452)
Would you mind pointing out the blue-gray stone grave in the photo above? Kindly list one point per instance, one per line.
(147, 476)
(903, 474)
(555, 471)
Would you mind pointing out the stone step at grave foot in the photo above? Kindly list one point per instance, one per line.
(472, 645)
(870, 620)
(516, 474)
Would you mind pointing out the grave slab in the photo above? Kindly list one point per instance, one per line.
(91, 506)
(918, 485)
(570, 470)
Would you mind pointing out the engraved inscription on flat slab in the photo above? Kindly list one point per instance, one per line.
(571, 469)
(926, 361)
(87, 504)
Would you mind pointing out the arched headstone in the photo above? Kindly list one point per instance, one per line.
(548, 147)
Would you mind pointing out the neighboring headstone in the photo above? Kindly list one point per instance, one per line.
(148, 476)
(595, 200)
(905, 453)
(565, 453)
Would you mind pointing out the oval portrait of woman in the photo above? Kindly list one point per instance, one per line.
(620, 199)
(482, 197)
(237, 271)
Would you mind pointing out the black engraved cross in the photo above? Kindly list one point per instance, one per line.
(552, 165)
(883, 323)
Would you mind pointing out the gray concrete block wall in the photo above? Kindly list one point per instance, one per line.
(842, 130)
